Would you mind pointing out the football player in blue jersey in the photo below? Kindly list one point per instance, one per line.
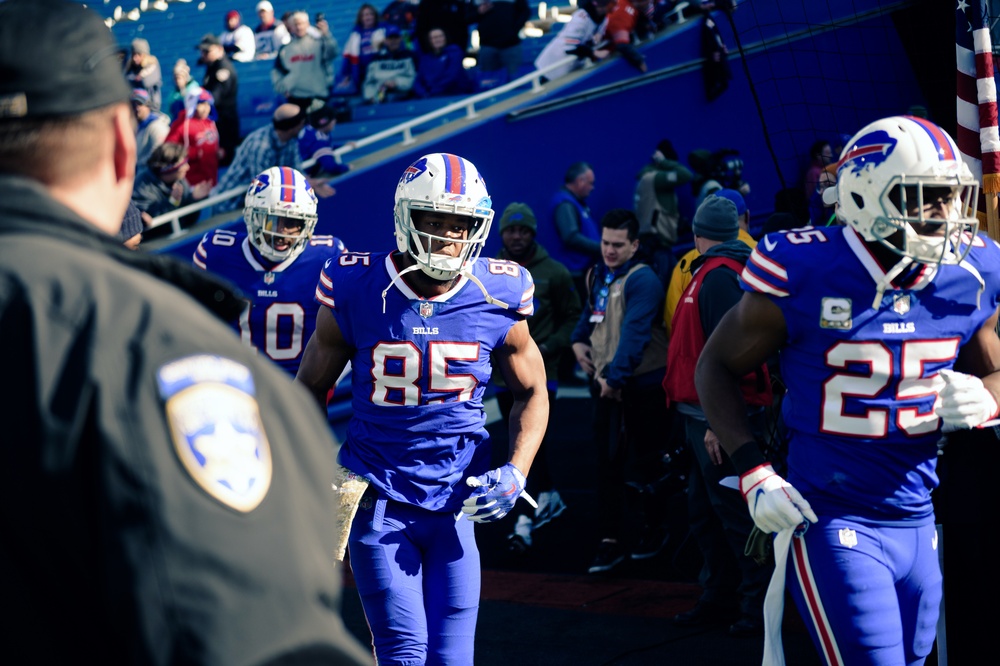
(275, 262)
(886, 331)
(418, 326)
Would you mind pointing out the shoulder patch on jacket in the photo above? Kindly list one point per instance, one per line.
(216, 428)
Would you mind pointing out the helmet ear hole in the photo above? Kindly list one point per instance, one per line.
(858, 200)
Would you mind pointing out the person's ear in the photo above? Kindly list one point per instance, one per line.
(124, 144)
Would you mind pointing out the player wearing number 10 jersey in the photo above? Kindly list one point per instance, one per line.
(870, 319)
(275, 262)
(419, 326)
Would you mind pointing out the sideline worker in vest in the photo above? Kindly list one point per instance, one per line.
(621, 345)
(733, 584)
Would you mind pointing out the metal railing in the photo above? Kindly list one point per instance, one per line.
(405, 128)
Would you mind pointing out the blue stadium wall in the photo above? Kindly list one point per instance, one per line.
(816, 74)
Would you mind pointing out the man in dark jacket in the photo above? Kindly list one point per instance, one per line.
(557, 307)
(220, 80)
(164, 494)
(734, 585)
(500, 23)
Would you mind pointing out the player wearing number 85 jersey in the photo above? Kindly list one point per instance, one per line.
(419, 326)
(870, 318)
(275, 262)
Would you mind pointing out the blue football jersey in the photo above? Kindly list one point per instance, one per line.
(282, 313)
(419, 371)
(862, 381)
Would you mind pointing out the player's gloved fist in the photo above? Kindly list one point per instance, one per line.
(774, 504)
(964, 402)
(498, 490)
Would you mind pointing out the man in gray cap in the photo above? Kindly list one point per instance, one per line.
(733, 584)
(165, 494)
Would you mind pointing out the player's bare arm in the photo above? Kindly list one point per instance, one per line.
(747, 335)
(325, 357)
(524, 371)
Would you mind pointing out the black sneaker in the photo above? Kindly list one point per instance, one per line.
(706, 613)
(747, 627)
(609, 555)
(651, 542)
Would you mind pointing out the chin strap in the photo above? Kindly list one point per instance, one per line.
(886, 280)
(464, 271)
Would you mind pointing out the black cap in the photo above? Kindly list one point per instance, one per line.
(57, 58)
(209, 39)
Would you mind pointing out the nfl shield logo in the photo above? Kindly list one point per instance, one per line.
(426, 309)
(848, 537)
(901, 304)
(269, 278)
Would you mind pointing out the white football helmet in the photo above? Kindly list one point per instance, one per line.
(901, 163)
(279, 192)
(449, 184)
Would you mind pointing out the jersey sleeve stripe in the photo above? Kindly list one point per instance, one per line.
(324, 299)
(760, 285)
(327, 282)
(768, 265)
(198, 262)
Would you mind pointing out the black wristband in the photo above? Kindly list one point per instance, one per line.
(746, 457)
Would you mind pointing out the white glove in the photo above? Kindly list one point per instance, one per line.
(774, 504)
(964, 402)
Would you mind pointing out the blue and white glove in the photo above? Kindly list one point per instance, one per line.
(964, 402)
(498, 490)
(774, 504)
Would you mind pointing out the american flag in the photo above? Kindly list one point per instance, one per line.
(977, 136)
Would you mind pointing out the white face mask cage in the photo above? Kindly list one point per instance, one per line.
(928, 240)
(417, 243)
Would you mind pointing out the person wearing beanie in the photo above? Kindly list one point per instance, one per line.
(734, 585)
(151, 126)
(238, 40)
(680, 278)
(142, 70)
(620, 345)
(557, 307)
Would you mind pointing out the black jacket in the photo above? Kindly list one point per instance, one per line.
(113, 546)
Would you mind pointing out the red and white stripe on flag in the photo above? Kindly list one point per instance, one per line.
(977, 136)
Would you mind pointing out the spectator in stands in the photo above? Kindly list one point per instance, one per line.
(440, 71)
(162, 186)
(362, 44)
(142, 70)
(621, 346)
(627, 20)
(393, 73)
(276, 144)
(557, 307)
(303, 69)
(316, 146)
(270, 34)
(680, 278)
(574, 237)
(237, 39)
(220, 80)
(576, 38)
(403, 15)
(500, 23)
(151, 128)
(183, 84)
(195, 129)
(820, 157)
(451, 16)
(722, 169)
(822, 206)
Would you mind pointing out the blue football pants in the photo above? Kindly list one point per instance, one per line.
(418, 575)
(868, 595)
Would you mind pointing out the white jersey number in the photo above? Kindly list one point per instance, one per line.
(272, 317)
(402, 388)
(913, 383)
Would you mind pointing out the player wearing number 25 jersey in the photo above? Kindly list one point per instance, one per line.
(275, 262)
(870, 320)
(419, 326)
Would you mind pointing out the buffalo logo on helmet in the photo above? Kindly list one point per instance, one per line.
(413, 171)
(872, 148)
(259, 184)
